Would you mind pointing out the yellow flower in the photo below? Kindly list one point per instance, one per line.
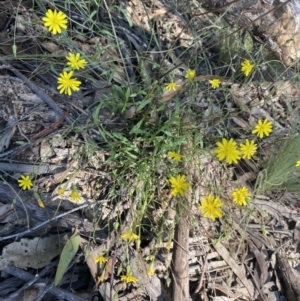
(150, 271)
(101, 278)
(67, 84)
(130, 236)
(211, 207)
(172, 86)
(168, 245)
(129, 278)
(174, 156)
(55, 20)
(248, 149)
(75, 62)
(100, 259)
(227, 150)
(215, 83)
(179, 185)
(60, 191)
(190, 74)
(75, 195)
(298, 163)
(247, 67)
(25, 182)
(263, 128)
(240, 196)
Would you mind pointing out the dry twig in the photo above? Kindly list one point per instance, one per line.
(60, 293)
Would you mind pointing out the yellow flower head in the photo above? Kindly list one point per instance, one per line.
(174, 156)
(248, 149)
(168, 245)
(179, 185)
(25, 182)
(190, 74)
(100, 259)
(247, 67)
(55, 20)
(227, 150)
(263, 128)
(60, 191)
(130, 236)
(128, 278)
(150, 271)
(67, 84)
(102, 278)
(215, 83)
(298, 163)
(211, 207)
(240, 196)
(75, 62)
(75, 195)
(171, 86)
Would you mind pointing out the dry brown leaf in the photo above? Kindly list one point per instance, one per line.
(5, 213)
(51, 47)
(31, 253)
(275, 209)
(235, 268)
(106, 290)
(243, 95)
(225, 290)
(7, 133)
(129, 113)
(263, 266)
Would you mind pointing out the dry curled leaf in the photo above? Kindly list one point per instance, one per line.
(31, 253)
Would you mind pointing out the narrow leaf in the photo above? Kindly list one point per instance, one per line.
(14, 48)
(67, 254)
(39, 200)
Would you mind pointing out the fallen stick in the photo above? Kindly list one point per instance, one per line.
(291, 279)
(51, 128)
(59, 293)
(37, 169)
(32, 281)
(66, 220)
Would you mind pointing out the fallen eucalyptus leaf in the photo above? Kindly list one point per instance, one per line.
(30, 253)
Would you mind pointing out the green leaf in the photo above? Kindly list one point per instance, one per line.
(14, 48)
(20, 142)
(86, 253)
(94, 12)
(96, 115)
(125, 15)
(136, 128)
(67, 254)
(127, 94)
(143, 104)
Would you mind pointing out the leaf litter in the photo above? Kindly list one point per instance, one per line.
(240, 267)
